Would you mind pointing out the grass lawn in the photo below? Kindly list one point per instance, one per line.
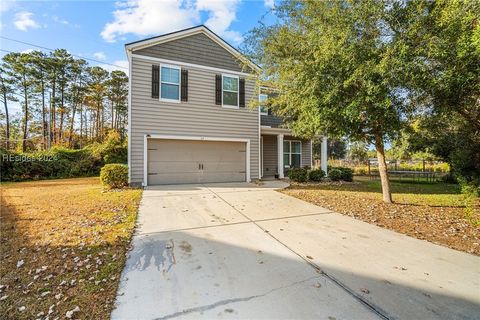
(63, 246)
(436, 212)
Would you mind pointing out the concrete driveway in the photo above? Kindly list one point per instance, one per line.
(241, 251)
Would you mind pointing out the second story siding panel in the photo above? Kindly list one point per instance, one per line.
(196, 49)
(200, 116)
(271, 121)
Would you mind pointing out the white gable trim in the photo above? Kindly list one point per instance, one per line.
(189, 32)
(185, 64)
(129, 117)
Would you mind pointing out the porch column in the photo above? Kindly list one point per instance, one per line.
(323, 155)
(280, 155)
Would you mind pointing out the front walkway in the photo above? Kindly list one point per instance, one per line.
(244, 251)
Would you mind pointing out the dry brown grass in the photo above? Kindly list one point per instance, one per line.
(72, 238)
(435, 212)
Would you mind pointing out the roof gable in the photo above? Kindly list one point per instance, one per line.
(198, 45)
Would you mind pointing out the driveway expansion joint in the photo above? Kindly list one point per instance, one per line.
(243, 262)
(235, 223)
(377, 310)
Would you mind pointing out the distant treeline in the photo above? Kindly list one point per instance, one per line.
(63, 100)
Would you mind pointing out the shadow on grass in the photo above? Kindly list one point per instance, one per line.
(409, 204)
(364, 184)
(51, 182)
(37, 274)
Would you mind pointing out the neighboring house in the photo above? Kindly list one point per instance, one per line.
(189, 120)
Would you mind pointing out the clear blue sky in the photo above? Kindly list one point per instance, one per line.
(99, 29)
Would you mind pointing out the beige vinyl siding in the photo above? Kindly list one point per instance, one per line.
(306, 153)
(196, 49)
(269, 155)
(197, 117)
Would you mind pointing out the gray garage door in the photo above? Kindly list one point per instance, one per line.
(184, 161)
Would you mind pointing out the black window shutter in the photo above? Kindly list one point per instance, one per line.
(218, 89)
(155, 81)
(242, 92)
(184, 90)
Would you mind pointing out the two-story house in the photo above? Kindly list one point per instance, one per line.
(189, 120)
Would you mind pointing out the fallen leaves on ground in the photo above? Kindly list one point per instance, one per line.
(63, 246)
(420, 215)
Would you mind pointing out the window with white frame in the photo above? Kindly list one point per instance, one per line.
(229, 91)
(170, 83)
(292, 153)
(262, 99)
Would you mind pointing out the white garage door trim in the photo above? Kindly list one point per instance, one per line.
(190, 138)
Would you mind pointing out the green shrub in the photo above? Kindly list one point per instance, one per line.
(316, 175)
(113, 150)
(335, 174)
(470, 188)
(298, 174)
(346, 173)
(114, 175)
(54, 163)
(60, 162)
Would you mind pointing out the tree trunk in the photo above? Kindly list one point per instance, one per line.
(74, 109)
(52, 112)
(81, 122)
(62, 112)
(94, 126)
(99, 118)
(25, 123)
(44, 117)
(7, 119)
(113, 114)
(85, 124)
(101, 124)
(382, 169)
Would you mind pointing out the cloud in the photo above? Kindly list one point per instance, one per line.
(24, 20)
(121, 65)
(150, 17)
(6, 6)
(30, 50)
(269, 3)
(100, 55)
(60, 20)
(145, 17)
(221, 14)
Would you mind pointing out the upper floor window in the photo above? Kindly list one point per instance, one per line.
(262, 99)
(170, 83)
(230, 91)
